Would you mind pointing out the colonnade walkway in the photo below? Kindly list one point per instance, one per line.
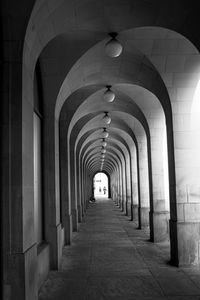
(110, 259)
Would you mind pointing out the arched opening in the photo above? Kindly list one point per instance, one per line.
(100, 185)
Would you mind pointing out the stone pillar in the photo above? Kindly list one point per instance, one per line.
(64, 186)
(184, 151)
(52, 189)
(81, 190)
(121, 186)
(143, 209)
(134, 183)
(185, 231)
(183, 132)
(131, 184)
(19, 242)
(115, 187)
(71, 184)
(159, 213)
(77, 190)
(124, 189)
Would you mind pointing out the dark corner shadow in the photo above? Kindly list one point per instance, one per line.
(171, 263)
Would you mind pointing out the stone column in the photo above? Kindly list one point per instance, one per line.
(64, 186)
(81, 190)
(71, 185)
(19, 243)
(159, 213)
(77, 185)
(134, 183)
(115, 186)
(183, 134)
(124, 189)
(52, 188)
(185, 230)
(144, 183)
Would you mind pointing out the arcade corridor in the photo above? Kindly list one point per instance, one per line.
(110, 259)
(108, 87)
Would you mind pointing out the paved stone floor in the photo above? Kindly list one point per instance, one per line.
(110, 259)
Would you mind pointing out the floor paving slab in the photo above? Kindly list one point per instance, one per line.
(111, 259)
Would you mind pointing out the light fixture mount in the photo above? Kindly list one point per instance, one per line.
(104, 143)
(113, 35)
(103, 150)
(109, 95)
(105, 134)
(106, 118)
(113, 48)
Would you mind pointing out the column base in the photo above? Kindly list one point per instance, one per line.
(119, 201)
(131, 212)
(54, 237)
(80, 210)
(24, 281)
(68, 229)
(74, 219)
(60, 244)
(122, 205)
(43, 259)
(185, 243)
(126, 206)
(159, 225)
(83, 209)
(135, 213)
(143, 212)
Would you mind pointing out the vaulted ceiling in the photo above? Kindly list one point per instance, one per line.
(67, 39)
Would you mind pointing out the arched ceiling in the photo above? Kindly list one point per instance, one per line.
(68, 38)
(50, 19)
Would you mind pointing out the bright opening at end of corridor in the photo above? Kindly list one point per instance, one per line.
(100, 185)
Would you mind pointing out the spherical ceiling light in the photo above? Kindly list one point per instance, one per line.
(113, 48)
(104, 143)
(103, 151)
(105, 134)
(109, 95)
(107, 119)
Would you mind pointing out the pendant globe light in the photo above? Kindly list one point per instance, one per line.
(107, 118)
(103, 150)
(105, 134)
(113, 48)
(104, 143)
(109, 95)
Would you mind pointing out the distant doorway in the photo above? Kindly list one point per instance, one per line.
(100, 184)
